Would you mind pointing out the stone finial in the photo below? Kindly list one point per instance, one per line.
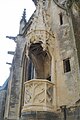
(22, 22)
(23, 16)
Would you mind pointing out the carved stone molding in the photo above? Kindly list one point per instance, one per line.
(43, 36)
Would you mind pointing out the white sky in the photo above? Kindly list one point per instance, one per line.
(10, 16)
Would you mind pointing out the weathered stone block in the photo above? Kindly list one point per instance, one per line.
(40, 115)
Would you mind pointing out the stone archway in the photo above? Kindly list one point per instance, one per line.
(41, 61)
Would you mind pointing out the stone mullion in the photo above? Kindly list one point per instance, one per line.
(53, 70)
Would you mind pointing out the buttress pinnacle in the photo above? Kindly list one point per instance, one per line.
(23, 16)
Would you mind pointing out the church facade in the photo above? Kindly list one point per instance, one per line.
(44, 81)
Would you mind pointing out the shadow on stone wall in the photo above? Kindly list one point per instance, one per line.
(72, 113)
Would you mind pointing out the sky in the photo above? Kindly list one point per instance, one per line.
(10, 15)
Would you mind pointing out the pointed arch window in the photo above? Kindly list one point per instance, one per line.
(31, 70)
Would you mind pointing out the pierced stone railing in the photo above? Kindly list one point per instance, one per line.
(38, 95)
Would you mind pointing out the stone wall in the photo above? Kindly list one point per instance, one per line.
(76, 27)
(2, 103)
(14, 89)
(41, 115)
(72, 113)
(65, 48)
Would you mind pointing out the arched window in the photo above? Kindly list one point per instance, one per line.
(31, 70)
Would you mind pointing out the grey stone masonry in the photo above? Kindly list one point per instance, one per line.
(2, 103)
(40, 115)
(72, 113)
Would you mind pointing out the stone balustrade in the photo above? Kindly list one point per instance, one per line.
(38, 95)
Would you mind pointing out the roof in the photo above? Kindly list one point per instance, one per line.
(4, 86)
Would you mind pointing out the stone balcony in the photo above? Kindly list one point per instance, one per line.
(38, 95)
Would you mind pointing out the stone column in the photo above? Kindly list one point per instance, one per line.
(53, 69)
(53, 79)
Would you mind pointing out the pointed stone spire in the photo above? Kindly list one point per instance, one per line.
(23, 16)
(22, 22)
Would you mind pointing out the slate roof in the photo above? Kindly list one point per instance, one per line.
(4, 86)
